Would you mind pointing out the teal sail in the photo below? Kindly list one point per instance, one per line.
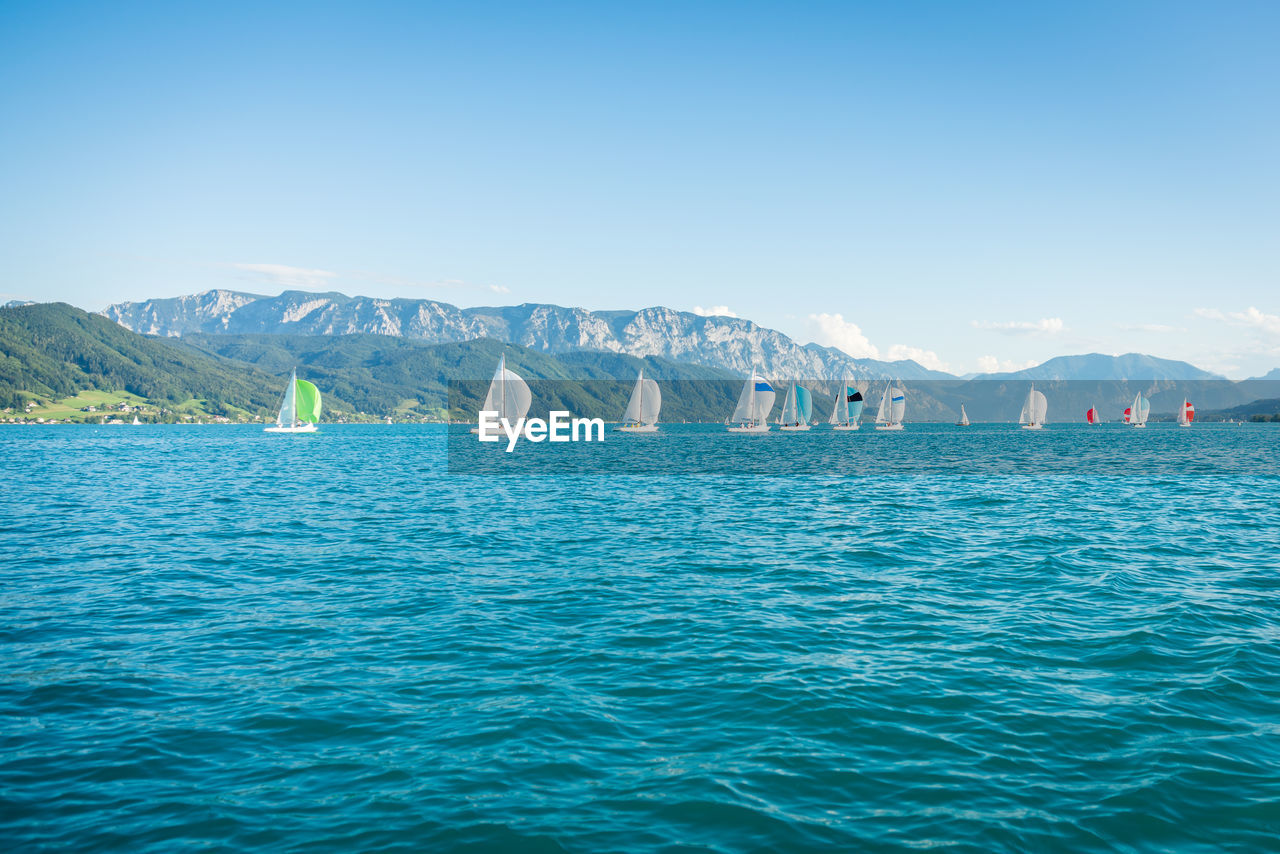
(804, 404)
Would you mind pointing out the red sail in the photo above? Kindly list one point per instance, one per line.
(1191, 412)
(1091, 416)
(1128, 410)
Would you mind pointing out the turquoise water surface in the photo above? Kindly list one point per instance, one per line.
(976, 640)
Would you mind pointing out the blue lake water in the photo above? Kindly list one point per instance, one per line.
(980, 640)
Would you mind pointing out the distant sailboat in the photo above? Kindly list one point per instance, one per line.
(893, 405)
(1186, 414)
(1034, 410)
(136, 422)
(1137, 413)
(848, 408)
(642, 410)
(754, 405)
(300, 409)
(964, 417)
(508, 395)
(1091, 417)
(797, 409)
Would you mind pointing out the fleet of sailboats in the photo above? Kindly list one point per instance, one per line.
(300, 409)
(642, 409)
(797, 409)
(510, 397)
(893, 405)
(848, 407)
(1034, 410)
(754, 405)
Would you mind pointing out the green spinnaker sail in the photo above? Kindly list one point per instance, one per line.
(308, 402)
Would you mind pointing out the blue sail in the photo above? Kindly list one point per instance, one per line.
(804, 404)
(854, 402)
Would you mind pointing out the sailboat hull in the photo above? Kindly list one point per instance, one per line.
(1139, 426)
(794, 428)
(305, 428)
(1032, 426)
(888, 426)
(639, 428)
(750, 428)
(844, 428)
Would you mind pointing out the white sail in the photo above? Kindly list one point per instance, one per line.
(964, 417)
(1034, 408)
(289, 407)
(645, 402)
(1182, 413)
(788, 414)
(755, 402)
(899, 400)
(508, 395)
(1140, 410)
(883, 413)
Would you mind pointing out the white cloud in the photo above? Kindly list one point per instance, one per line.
(992, 365)
(1043, 326)
(1269, 323)
(282, 274)
(1157, 328)
(927, 358)
(500, 289)
(832, 330)
(714, 311)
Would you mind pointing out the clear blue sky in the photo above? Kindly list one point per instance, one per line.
(993, 182)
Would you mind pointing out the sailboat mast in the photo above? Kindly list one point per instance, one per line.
(502, 386)
(293, 397)
(640, 388)
(753, 395)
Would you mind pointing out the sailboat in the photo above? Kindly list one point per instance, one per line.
(508, 395)
(797, 409)
(753, 406)
(642, 410)
(1186, 414)
(1034, 410)
(300, 409)
(136, 422)
(893, 405)
(1136, 414)
(1091, 417)
(964, 417)
(848, 408)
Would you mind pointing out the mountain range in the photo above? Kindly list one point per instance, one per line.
(728, 343)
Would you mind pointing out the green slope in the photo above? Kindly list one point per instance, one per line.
(53, 351)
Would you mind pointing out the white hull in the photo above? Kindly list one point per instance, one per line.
(1032, 426)
(1184, 423)
(305, 428)
(793, 428)
(746, 428)
(888, 426)
(844, 427)
(639, 428)
(1139, 426)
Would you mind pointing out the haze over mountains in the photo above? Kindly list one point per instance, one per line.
(729, 343)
